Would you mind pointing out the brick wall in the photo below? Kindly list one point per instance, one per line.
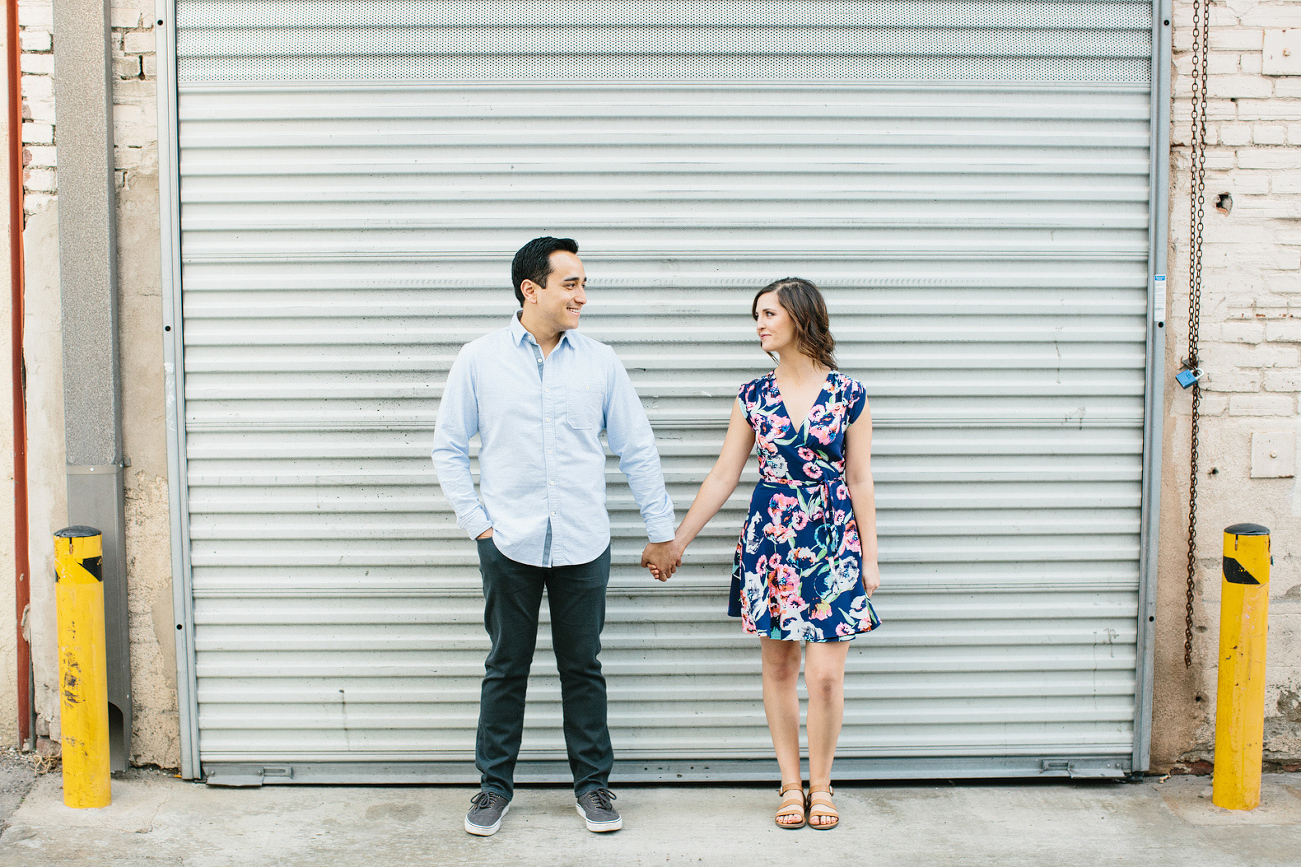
(135, 106)
(35, 35)
(155, 735)
(1250, 345)
(8, 588)
(134, 93)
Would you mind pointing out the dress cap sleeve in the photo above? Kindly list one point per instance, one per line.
(857, 395)
(748, 395)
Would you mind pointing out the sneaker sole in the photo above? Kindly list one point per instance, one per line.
(485, 830)
(599, 827)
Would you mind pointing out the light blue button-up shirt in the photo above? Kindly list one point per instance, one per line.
(541, 462)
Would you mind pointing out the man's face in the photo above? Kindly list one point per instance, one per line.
(560, 302)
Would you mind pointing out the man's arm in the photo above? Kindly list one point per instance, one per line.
(629, 434)
(458, 420)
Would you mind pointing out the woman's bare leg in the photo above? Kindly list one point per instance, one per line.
(824, 676)
(781, 704)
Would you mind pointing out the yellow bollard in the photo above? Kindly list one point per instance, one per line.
(1240, 699)
(83, 671)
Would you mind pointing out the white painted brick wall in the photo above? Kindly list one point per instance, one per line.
(135, 127)
(1250, 345)
(155, 733)
(35, 23)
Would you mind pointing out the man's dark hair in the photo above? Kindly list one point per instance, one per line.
(533, 261)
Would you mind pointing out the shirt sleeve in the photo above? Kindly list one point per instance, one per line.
(458, 420)
(629, 434)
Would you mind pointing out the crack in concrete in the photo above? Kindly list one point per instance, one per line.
(162, 803)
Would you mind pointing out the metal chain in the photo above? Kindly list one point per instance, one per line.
(1197, 199)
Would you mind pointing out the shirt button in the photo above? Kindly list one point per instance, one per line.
(553, 513)
(550, 482)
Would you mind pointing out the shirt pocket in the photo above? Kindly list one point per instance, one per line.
(586, 406)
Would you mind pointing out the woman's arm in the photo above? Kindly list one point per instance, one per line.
(862, 493)
(720, 483)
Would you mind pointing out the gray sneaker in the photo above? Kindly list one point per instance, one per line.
(486, 810)
(596, 809)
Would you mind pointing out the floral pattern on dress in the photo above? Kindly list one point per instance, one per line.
(797, 574)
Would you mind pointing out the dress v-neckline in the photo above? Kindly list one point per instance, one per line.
(816, 398)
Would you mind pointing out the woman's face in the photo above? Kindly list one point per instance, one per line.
(775, 327)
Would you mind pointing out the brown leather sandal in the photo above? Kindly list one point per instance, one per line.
(820, 805)
(792, 805)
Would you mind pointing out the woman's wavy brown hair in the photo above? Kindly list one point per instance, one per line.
(804, 304)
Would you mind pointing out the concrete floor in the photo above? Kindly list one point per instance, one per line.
(156, 819)
(17, 774)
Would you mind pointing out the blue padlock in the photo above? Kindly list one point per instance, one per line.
(1186, 378)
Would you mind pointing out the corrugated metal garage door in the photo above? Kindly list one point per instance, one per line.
(968, 181)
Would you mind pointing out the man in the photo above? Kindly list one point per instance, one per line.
(539, 394)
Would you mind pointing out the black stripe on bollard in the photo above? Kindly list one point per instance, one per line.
(1235, 574)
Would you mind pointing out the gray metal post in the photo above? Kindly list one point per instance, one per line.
(88, 288)
(1154, 389)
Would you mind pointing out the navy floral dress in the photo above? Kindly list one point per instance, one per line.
(798, 567)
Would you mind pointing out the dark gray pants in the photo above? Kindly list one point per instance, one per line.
(512, 594)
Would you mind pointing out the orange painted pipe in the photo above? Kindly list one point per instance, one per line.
(22, 568)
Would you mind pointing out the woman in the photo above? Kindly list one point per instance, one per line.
(805, 565)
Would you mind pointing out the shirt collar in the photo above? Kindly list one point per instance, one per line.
(520, 335)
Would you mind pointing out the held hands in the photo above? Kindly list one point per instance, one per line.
(662, 558)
